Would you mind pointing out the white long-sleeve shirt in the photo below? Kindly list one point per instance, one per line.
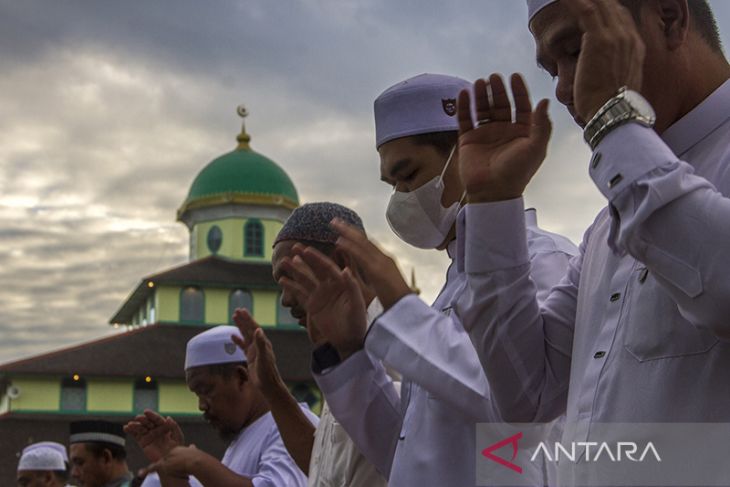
(427, 436)
(637, 331)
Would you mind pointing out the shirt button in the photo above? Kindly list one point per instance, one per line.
(615, 297)
(600, 354)
(596, 159)
(615, 180)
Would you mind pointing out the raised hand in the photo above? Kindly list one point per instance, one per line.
(379, 269)
(155, 435)
(259, 353)
(611, 56)
(499, 156)
(331, 296)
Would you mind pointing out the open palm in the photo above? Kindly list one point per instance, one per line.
(499, 156)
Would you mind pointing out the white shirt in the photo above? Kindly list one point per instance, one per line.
(637, 331)
(427, 437)
(336, 461)
(259, 454)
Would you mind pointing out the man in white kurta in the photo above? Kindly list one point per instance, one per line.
(217, 372)
(426, 436)
(637, 331)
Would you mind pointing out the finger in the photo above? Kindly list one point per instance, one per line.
(297, 270)
(481, 98)
(153, 417)
(175, 429)
(523, 105)
(264, 346)
(355, 242)
(152, 467)
(463, 112)
(134, 428)
(501, 106)
(245, 323)
(322, 266)
(301, 294)
(589, 13)
(541, 124)
(240, 342)
(352, 287)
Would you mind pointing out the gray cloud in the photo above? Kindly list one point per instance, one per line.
(109, 109)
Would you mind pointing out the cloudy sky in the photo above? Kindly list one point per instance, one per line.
(109, 109)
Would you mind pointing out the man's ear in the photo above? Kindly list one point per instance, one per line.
(343, 259)
(106, 455)
(241, 375)
(675, 21)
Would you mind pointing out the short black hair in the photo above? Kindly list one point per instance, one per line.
(441, 141)
(701, 16)
(96, 448)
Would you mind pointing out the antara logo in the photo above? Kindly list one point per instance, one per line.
(512, 440)
(622, 450)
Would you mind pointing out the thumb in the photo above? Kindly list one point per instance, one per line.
(152, 467)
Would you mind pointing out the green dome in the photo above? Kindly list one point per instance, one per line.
(241, 176)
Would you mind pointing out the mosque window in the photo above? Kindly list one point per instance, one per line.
(283, 314)
(73, 394)
(192, 305)
(215, 239)
(253, 237)
(239, 299)
(145, 394)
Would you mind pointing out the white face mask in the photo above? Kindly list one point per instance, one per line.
(418, 218)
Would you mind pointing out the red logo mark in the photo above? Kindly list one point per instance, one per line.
(487, 452)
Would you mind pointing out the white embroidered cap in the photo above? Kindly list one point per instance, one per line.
(420, 105)
(213, 346)
(42, 457)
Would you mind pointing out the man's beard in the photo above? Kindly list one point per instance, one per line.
(225, 432)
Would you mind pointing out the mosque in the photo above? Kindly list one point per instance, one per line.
(233, 211)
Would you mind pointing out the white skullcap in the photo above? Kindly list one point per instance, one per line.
(534, 6)
(213, 346)
(420, 105)
(42, 457)
(52, 444)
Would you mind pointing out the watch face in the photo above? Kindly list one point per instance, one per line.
(640, 105)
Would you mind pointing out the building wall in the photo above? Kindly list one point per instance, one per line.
(105, 395)
(168, 304)
(264, 307)
(232, 245)
(176, 398)
(37, 394)
(216, 306)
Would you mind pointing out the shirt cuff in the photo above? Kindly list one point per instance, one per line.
(624, 155)
(334, 378)
(491, 236)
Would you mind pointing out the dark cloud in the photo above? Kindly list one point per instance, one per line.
(109, 109)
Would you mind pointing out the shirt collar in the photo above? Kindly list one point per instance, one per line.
(689, 130)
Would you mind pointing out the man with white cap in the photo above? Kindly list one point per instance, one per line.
(98, 454)
(216, 370)
(43, 464)
(426, 437)
(637, 330)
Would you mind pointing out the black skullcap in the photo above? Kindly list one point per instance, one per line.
(96, 431)
(311, 222)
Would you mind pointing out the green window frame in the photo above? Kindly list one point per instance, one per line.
(253, 238)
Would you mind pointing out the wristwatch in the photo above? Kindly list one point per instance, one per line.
(626, 106)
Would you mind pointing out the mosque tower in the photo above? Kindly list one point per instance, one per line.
(235, 207)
